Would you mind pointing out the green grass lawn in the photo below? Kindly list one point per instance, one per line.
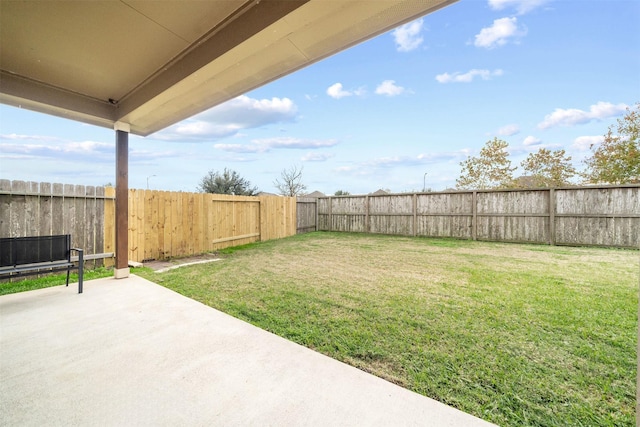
(29, 283)
(514, 334)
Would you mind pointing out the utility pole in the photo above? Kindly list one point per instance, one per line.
(148, 180)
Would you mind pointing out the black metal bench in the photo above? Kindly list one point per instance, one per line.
(22, 256)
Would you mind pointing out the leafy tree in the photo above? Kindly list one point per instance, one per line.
(491, 169)
(227, 182)
(546, 168)
(291, 184)
(617, 159)
(341, 193)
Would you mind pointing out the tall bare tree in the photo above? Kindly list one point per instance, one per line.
(491, 169)
(617, 159)
(546, 168)
(291, 184)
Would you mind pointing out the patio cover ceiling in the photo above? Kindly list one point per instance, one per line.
(150, 64)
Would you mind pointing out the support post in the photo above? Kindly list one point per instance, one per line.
(122, 201)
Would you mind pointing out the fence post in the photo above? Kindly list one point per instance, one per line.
(552, 216)
(367, 223)
(330, 213)
(415, 213)
(474, 215)
(260, 216)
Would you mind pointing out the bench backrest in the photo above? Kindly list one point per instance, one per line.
(30, 250)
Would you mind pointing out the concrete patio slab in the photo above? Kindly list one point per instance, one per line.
(130, 352)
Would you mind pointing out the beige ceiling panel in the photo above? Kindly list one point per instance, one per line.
(320, 11)
(189, 20)
(92, 47)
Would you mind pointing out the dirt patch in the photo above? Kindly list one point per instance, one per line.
(157, 265)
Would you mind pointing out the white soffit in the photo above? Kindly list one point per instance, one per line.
(152, 64)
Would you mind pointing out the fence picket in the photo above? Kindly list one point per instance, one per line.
(599, 216)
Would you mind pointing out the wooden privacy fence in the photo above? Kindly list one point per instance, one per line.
(599, 216)
(306, 214)
(40, 209)
(166, 224)
(161, 224)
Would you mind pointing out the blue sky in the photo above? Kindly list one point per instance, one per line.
(416, 100)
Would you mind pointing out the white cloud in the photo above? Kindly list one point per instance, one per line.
(316, 157)
(584, 143)
(62, 150)
(56, 149)
(376, 165)
(531, 141)
(241, 148)
(389, 88)
(467, 77)
(521, 6)
(407, 37)
(574, 116)
(509, 130)
(230, 118)
(296, 143)
(251, 112)
(361, 91)
(149, 156)
(267, 144)
(336, 91)
(499, 33)
(200, 130)
(40, 138)
(346, 169)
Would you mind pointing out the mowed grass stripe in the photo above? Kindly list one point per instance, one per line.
(514, 334)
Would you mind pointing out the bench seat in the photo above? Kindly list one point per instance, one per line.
(21, 256)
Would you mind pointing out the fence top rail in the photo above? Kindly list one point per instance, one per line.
(66, 196)
(210, 196)
(52, 189)
(487, 190)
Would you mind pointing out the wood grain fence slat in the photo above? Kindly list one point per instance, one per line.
(601, 216)
(175, 224)
(39, 209)
(306, 215)
(5, 208)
